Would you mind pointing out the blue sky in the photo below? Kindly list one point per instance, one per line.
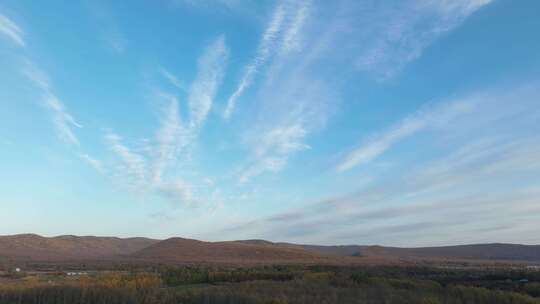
(406, 123)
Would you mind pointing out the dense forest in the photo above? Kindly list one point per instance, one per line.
(275, 284)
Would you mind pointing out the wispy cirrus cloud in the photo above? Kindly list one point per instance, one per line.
(133, 164)
(273, 140)
(299, 101)
(293, 33)
(154, 168)
(170, 139)
(142, 169)
(406, 200)
(273, 148)
(95, 163)
(173, 79)
(12, 31)
(63, 121)
(489, 143)
(425, 118)
(288, 28)
(282, 34)
(267, 43)
(396, 33)
(211, 67)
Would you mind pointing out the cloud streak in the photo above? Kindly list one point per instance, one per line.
(384, 38)
(94, 163)
(474, 182)
(133, 164)
(63, 121)
(12, 31)
(156, 168)
(273, 149)
(210, 72)
(173, 79)
(425, 118)
(410, 27)
(291, 37)
(170, 139)
(267, 43)
(144, 171)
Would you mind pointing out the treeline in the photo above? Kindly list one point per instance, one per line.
(271, 285)
(174, 276)
(272, 292)
(68, 295)
(113, 288)
(377, 291)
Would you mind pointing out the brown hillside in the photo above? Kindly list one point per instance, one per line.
(67, 247)
(467, 252)
(188, 250)
(496, 251)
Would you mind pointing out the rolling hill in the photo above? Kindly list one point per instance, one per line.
(68, 247)
(188, 250)
(32, 247)
(495, 251)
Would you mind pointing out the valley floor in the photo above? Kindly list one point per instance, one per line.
(272, 284)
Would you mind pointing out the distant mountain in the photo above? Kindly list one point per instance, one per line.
(33, 247)
(188, 250)
(340, 250)
(68, 247)
(494, 251)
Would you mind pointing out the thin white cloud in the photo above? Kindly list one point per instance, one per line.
(132, 164)
(210, 71)
(397, 33)
(12, 30)
(299, 106)
(483, 174)
(487, 146)
(457, 8)
(173, 79)
(282, 140)
(423, 119)
(267, 44)
(36, 76)
(379, 145)
(170, 139)
(154, 168)
(291, 37)
(63, 121)
(174, 137)
(143, 171)
(299, 103)
(273, 148)
(95, 163)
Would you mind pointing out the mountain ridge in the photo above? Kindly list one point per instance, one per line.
(68, 247)
(34, 247)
